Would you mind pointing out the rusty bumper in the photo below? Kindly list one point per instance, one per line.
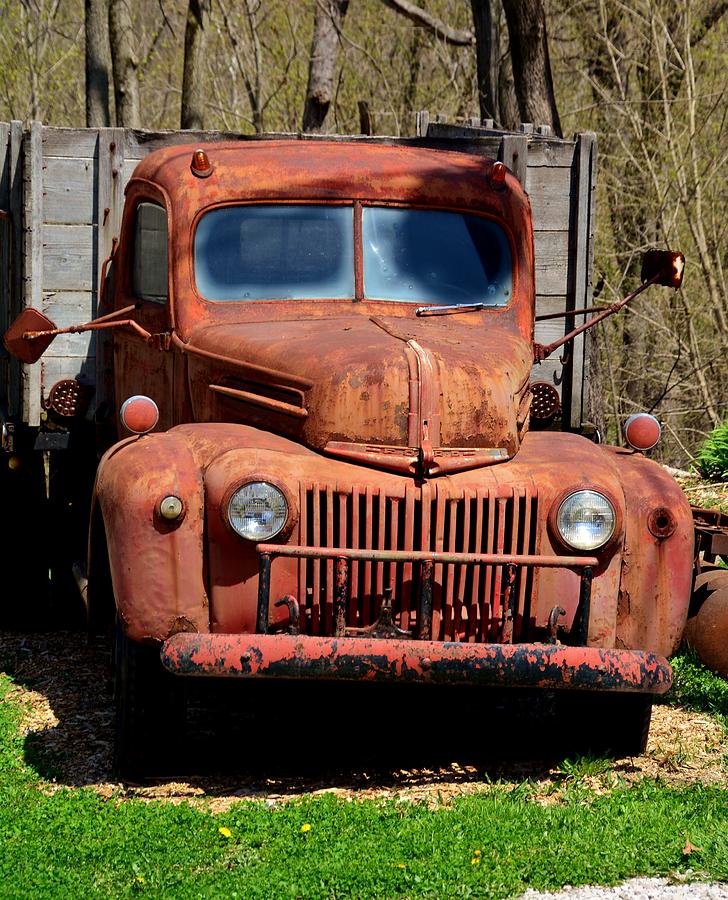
(366, 659)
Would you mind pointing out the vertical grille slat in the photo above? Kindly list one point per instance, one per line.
(467, 599)
(409, 544)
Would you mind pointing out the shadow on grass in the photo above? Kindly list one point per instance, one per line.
(248, 738)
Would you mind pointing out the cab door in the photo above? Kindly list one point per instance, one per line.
(142, 367)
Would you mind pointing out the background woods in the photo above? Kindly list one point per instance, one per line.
(647, 75)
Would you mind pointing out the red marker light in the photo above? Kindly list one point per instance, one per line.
(642, 431)
(201, 165)
(497, 175)
(139, 414)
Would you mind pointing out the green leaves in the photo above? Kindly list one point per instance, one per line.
(712, 457)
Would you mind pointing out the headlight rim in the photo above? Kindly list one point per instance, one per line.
(614, 538)
(266, 478)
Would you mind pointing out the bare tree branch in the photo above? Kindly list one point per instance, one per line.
(456, 36)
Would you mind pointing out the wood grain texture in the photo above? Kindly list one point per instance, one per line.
(32, 258)
(69, 188)
(68, 253)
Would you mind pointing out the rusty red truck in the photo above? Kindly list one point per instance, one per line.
(334, 453)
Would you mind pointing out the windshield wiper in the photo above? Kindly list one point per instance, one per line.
(446, 309)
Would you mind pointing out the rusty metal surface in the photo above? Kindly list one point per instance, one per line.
(156, 566)
(657, 572)
(707, 631)
(505, 597)
(358, 658)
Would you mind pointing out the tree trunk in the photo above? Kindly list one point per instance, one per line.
(531, 67)
(98, 64)
(193, 94)
(124, 64)
(487, 50)
(327, 27)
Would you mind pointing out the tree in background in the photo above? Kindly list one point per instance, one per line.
(648, 76)
(98, 63)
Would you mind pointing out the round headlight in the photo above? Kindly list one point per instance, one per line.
(586, 520)
(258, 511)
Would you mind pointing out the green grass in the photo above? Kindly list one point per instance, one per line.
(696, 688)
(75, 844)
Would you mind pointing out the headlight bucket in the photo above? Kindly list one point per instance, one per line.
(258, 509)
(585, 520)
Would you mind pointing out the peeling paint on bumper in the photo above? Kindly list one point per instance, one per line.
(363, 659)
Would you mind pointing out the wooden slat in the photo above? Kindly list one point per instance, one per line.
(552, 262)
(73, 143)
(15, 208)
(32, 257)
(513, 151)
(549, 192)
(67, 260)
(584, 196)
(66, 308)
(68, 191)
(52, 370)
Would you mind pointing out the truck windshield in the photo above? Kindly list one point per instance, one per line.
(275, 252)
(297, 251)
(435, 257)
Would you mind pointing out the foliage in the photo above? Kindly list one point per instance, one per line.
(712, 456)
(72, 843)
(648, 76)
(696, 688)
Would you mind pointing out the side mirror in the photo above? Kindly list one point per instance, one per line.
(28, 337)
(663, 267)
(31, 333)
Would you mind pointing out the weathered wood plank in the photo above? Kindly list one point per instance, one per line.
(4, 166)
(109, 196)
(73, 143)
(67, 257)
(15, 202)
(69, 189)
(550, 194)
(32, 257)
(582, 226)
(552, 261)
(53, 369)
(513, 151)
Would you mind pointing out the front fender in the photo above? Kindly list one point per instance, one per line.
(656, 578)
(156, 566)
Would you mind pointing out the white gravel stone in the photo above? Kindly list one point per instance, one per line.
(638, 889)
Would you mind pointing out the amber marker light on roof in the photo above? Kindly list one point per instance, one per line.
(201, 165)
(497, 175)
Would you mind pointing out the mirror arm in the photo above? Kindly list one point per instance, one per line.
(108, 321)
(542, 351)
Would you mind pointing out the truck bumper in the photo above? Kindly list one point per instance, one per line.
(547, 666)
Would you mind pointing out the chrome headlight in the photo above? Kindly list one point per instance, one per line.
(586, 520)
(258, 511)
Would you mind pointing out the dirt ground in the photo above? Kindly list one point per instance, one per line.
(64, 682)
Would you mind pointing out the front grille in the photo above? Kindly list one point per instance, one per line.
(467, 599)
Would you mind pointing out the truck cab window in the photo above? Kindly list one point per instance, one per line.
(150, 253)
(282, 252)
(432, 256)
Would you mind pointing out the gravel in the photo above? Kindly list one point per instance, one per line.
(638, 889)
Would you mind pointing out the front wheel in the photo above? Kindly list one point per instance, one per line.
(150, 711)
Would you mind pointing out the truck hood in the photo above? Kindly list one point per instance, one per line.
(353, 384)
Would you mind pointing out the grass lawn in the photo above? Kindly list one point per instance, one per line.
(73, 843)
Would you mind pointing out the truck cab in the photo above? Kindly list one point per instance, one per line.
(344, 482)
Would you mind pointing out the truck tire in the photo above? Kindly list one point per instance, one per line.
(613, 725)
(150, 712)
